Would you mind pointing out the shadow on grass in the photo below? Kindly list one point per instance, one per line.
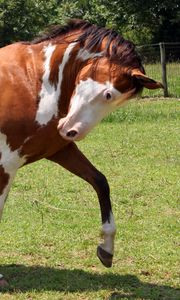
(38, 278)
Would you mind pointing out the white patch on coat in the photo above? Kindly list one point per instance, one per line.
(50, 94)
(10, 161)
(84, 54)
(108, 233)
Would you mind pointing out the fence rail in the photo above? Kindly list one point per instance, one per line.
(162, 62)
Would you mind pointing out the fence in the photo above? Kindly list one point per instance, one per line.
(162, 63)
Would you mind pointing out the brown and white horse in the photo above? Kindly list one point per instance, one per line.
(54, 90)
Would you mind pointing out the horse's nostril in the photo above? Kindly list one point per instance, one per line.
(71, 133)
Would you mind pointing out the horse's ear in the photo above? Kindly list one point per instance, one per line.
(146, 81)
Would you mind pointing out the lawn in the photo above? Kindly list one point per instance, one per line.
(50, 227)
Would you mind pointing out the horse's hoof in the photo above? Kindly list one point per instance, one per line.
(105, 257)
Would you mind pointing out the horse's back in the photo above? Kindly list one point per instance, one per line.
(10, 54)
(11, 68)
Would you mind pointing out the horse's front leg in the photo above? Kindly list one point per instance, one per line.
(71, 158)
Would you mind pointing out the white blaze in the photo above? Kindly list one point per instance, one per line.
(88, 106)
(50, 94)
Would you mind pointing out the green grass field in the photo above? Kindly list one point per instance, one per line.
(50, 227)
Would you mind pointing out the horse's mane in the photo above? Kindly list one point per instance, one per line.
(122, 51)
(54, 31)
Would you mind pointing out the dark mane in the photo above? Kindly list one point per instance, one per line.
(55, 31)
(121, 51)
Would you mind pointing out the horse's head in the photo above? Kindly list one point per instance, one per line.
(107, 79)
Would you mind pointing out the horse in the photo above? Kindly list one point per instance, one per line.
(54, 90)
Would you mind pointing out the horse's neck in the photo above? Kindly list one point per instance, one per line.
(56, 72)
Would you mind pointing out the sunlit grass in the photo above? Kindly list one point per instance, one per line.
(50, 226)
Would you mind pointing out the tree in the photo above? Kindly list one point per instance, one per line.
(22, 19)
(142, 21)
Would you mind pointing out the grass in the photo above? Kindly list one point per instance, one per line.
(49, 230)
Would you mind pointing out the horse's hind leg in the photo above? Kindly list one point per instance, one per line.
(5, 184)
(5, 181)
(71, 158)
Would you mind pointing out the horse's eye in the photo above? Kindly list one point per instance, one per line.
(108, 95)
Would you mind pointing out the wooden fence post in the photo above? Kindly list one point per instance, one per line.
(163, 65)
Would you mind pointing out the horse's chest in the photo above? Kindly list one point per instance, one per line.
(43, 143)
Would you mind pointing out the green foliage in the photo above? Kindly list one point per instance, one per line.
(94, 11)
(142, 21)
(22, 19)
